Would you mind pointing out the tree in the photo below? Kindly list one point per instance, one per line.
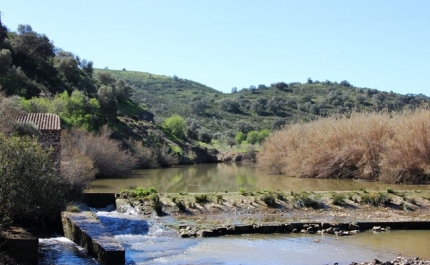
(234, 90)
(244, 126)
(176, 125)
(252, 137)
(345, 83)
(229, 105)
(205, 136)
(262, 135)
(108, 101)
(199, 106)
(275, 105)
(231, 142)
(240, 137)
(259, 105)
(5, 61)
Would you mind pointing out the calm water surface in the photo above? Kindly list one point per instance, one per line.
(230, 177)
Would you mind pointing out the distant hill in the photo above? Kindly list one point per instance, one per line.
(257, 107)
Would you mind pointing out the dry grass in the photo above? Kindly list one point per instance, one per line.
(391, 147)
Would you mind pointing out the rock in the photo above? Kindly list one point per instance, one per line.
(353, 226)
(376, 229)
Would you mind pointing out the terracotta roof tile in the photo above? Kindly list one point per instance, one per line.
(43, 121)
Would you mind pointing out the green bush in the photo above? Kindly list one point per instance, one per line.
(201, 198)
(30, 185)
(305, 199)
(339, 199)
(243, 192)
(181, 205)
(219, 198)
(269, 199)
(376, 199)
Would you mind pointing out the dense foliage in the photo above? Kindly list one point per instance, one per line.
(30, 186)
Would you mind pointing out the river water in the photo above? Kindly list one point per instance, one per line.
(231, 177)
(147, 241)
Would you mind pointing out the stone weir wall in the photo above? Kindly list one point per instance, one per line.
(340, 229)
(86, 230)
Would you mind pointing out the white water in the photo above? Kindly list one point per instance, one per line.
(149, 242)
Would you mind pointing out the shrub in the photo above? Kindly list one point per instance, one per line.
(201, 198)
(30, 185)
(269, 199)
(145, 157)
(77, 169)
(176, 125)
(107, 155)
(9, 106)
(166, 157)
(280, 196)
(305, 199)
(181, 205)
(339, 199)
(243, 192)
(219, 198)
(376, 199)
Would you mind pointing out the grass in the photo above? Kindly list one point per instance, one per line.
(140, 192)
(388, 147)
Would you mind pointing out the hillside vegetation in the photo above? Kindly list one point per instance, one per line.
(155, 120)
(257, 107)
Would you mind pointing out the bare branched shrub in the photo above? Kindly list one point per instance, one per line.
(166, 157)
(77, 169)
(145, 156)
(108, 156)
(374, 146)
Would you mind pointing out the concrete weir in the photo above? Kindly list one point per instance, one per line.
(86, 230)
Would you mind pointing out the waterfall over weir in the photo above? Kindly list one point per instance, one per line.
(148, 242)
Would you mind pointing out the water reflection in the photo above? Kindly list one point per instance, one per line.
(230, 177)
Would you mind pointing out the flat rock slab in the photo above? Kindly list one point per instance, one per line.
(86, 230)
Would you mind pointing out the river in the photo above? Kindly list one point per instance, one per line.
(147, 241)
(231, 177)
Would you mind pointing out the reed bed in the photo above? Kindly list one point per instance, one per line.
(388, 147)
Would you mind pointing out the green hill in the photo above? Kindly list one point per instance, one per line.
(257, 107)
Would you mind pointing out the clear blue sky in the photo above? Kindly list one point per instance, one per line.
(382, 44)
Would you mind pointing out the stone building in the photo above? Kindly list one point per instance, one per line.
(50, 129)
